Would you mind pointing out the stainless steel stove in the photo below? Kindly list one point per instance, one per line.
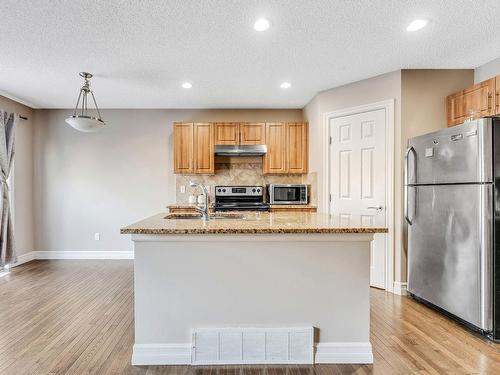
(240, 198)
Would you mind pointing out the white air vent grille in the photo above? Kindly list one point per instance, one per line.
(253, 345)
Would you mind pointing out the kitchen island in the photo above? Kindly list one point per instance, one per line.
(262, 288)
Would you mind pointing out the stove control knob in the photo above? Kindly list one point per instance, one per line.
(258, 190)
(223, 190)
(253, 190)
(219, 190)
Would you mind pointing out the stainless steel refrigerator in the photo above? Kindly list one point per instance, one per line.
(450, 211)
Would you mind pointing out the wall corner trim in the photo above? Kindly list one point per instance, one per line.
(39, 255)
(400, 288)
(344, 353)
(161, 354)
(25, 258)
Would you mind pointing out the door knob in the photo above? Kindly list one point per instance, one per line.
(378, 208)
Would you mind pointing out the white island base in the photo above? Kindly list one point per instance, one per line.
(251, 284)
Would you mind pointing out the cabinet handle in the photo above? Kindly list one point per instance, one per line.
(489, 101)
(497, 99)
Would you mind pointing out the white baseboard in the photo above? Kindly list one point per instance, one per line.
(180, 354)
(400, 288)
(24, 258)
(161, 354)
(344, 353)
(84, 255)
(32, 255)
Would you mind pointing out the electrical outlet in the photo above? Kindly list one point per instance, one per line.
(97, 236)
(183, 189)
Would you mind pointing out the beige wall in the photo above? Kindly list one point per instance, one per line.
(487, 70)
(99, 182)
(423, 97)
(423, 110)
(23, 176)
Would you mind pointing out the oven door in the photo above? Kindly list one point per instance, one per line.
(289, 194)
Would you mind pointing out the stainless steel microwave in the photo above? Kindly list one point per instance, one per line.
(286, 194)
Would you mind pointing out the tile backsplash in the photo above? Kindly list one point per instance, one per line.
(239, 174)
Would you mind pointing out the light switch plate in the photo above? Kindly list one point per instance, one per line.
(429, 152)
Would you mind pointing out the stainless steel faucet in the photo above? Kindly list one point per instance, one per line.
(203, 210)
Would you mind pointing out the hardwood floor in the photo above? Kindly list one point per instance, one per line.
(76, 317)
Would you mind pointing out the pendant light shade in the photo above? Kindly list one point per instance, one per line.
(81, 120)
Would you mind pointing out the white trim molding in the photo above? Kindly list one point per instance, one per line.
(400, 288)
(34, 255)
(25, 258)
(388, 106)
(344, 353)
(161, 354)
(180, 354)
(84, 255)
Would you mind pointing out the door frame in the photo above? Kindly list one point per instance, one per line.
(388, 106)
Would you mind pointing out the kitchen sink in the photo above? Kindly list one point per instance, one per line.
(197, 216)
(227, 215)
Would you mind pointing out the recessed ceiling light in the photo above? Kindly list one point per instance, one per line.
(261, 24)
(186, 85)
(286, 85)
(417, 25)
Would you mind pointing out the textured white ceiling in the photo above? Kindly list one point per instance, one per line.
(141, 51)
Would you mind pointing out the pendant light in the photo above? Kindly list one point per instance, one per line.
(81, 120)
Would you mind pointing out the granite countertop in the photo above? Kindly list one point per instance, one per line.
(279, 222)
(192, 205)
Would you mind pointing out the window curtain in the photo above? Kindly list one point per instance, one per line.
(7, 248)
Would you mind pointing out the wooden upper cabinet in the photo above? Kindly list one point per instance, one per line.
(183, 147)
(193, 148)
(477, 101)
(455, 108)
(297, 147)
(287, 145)
(497, 95)
(274, 160)
(227, 133)
(203, 145)
(252, 133)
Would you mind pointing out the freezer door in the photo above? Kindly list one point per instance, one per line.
(450, 249)
(459, 154)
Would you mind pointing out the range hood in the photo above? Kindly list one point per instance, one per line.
(240, 150)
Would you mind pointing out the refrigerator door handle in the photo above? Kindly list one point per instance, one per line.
(407, 218)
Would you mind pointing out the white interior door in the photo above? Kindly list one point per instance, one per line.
(358, 178)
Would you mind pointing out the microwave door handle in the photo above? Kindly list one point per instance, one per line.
(407, 218)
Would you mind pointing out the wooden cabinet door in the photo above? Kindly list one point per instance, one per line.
(253, 133)
(227, 133)
(274, 160)
(455, 108)
(297, 147)
(203, 148)
(479, 99)
(497, 95)
(183, 147)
